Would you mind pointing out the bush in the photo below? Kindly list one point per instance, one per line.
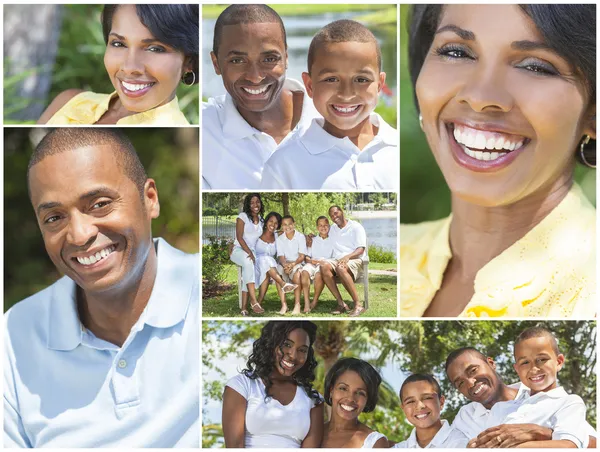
(209, 212)
(381, 255)
(215, 264)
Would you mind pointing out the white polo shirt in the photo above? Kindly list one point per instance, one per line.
(446, 438)
(291, 248)
(347, 239)
(321, 248)
(234, 152)
(315, 160)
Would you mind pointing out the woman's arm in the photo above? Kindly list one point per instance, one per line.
(315, 434)
(234, 418)
(58, 102)
(239, 235)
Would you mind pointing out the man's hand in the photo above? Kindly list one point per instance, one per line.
(343, 262)
(511, 435)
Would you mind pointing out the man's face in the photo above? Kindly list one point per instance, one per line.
(95, 226)
(252, 61)
(475, 378)
(337, 216)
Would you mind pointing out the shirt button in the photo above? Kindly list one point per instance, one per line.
(122, 364)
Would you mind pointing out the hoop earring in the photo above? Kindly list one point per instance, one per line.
(585, 141)
(421, 120)
(193, 78)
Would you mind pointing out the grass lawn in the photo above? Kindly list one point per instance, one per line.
(382, 298)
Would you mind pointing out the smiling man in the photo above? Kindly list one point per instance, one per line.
(108, 355)
(243, 128)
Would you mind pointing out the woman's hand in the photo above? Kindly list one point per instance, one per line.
(252, 257)
(234, 418)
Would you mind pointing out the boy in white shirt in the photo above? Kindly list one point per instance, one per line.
(351, 147)
(422, 402)
(291, 249)
(320, 250)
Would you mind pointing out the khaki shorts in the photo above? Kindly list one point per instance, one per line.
(288, 278)
(354, 265)
(312, 270)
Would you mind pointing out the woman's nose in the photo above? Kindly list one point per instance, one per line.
(486, 89)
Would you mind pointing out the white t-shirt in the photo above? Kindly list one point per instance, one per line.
(251, 231)
(291, 248)
(321, 248)
(371, 439)
(347, 239)
(234, 152)
(446, 438)
(315, 160)
(270, 424)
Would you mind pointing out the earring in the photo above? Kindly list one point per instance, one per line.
(421, 120)
(585, 141)
(185, 76)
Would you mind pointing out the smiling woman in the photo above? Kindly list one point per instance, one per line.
(506, 96)
(150, 50)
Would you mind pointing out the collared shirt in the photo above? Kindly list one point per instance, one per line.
(321, 248)
(234, 152)
(88, 108)
(347, 239)
(316, 160)
(291, 248)
(252, 231)
(64, 387)
(446, 438)
(550, 272)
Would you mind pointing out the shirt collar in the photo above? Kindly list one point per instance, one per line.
(174, 287)
(144, 117)
(436, 442)
(522, 393)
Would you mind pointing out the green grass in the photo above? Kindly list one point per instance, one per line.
(213, 11)
(382, 298)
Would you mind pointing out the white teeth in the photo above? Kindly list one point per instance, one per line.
(92, 259)
(475, 139)
(89, 260)
(132, 87)
(481, 155)
(479, 141)
(499, 143)
(490, 143)
(422, 416)
(287, 364)
(457, 134)
(347, 407)
(346, 109)
(478, 390)
(256, 91)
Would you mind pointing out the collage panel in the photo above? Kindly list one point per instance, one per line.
(401, 384)
(299, 97)
(299, 254)
(101, 64)
(101, 288)
(498, 181)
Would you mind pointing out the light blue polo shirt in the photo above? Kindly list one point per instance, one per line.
(64, 387)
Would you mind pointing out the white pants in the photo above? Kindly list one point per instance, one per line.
(241, 258)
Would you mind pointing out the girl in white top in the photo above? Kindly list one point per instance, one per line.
(351, 387)
(248, 228)
(272, 402)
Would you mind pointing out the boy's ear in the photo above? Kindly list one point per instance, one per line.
(560, 359)
(515, 367)
(381, 81)
(215, 63)
(442, 401)
(307, 83)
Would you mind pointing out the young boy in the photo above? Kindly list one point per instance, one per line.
(422, 402)
(537, 362)
(321, 250)
(351, 148)
(291, 249)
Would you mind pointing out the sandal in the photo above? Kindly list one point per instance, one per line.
(356, 311)
(287, 287)
(341, 309)
(260, 309)
(244, 313)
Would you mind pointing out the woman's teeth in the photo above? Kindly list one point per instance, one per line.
(89, 260)
(347, 407)
(287, 364)
(135, 87)
(257, 90)
(472, 139)
(345, 109)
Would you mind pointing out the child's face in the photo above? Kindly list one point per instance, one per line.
(537, 364)
(344, 83)
(323, 227)
(287, 226)
(421, 404)
(349, 395)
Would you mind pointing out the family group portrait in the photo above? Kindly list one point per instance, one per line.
(299, 97)
(399, 384)
(293, 254)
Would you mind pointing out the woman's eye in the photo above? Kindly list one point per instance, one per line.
(156, 49)
(538, 67)
(117, 44)
(453, 52)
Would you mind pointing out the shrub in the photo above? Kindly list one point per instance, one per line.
(209, 212)
(215, 264)
(381, 255)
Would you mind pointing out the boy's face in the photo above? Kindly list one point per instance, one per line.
(287, 225)
(421, 404)
(344, 83)
(537, 364)
(323, 227)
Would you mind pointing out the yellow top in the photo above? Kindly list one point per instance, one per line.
(88, 108)
(550, 272)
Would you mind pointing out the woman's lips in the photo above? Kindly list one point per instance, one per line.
(135, 90)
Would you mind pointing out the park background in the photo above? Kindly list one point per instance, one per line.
(51, 48)
(375, 211)
(170, 157)
(302, 21)
(424, 195)
(397, 349)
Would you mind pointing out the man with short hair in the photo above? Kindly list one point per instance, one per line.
(243, 128)
(108, 355)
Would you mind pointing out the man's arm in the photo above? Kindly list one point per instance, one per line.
(511, 435)
(353, 255)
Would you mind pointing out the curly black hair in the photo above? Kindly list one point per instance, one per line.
(246, 208)
(260, 364)
(365, 370)
(269, 215)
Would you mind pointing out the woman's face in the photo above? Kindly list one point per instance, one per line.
(293, 353)
(144, 71)
(272, 224)
(349, 395)
(255, 205)
(502, 113)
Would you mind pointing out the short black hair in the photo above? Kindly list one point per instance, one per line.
(245, 14)
(175, 25)
(538, 331)
(322, 217)
(64, 139)
(367, 373)
(336, 207)
(460, 351)
(568, 29)
(269, 215)
(246, 206)
(344, 30)
(421, 377)
(286, 217)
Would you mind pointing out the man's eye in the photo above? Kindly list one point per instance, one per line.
(52, 219)
(100, 204)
